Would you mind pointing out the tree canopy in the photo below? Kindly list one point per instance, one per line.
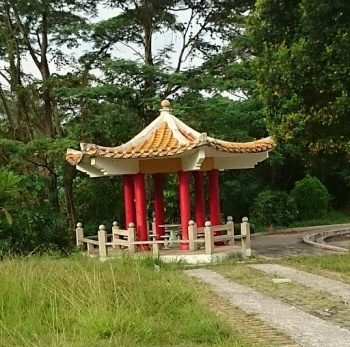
(95, 71)
(302, 49)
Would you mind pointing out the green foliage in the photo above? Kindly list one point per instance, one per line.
(274, 208)
(302, 50)
(171, 198)
(9, 191)
(332, 217)
(94, 208)
(238, 189)
(9, 185)
(7, 215)
(35, 229)
(311, 197)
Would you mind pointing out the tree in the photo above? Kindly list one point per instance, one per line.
(37, 31)
(159, 71)
(302, 49)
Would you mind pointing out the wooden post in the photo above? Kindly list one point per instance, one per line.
(209, 238)
(245, 237)
(79, 232)
(131, 237)
(115, 229)
(192, 235)
(230, 230)
(102, 240)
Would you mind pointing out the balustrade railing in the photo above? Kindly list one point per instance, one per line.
(197, 236)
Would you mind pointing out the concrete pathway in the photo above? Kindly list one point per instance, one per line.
(302, 327)
(332, 287)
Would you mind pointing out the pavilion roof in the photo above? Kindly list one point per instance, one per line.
(166, 136)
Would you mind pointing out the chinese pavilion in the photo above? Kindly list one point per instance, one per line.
(167, 145)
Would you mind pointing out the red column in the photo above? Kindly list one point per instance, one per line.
(140, 204)
(214, 201)
(185, 208)
(129, 196)
(214, 197)
(199, 198)
(158, 203)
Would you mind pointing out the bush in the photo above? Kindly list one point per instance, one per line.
(311, 198)
(274, 208)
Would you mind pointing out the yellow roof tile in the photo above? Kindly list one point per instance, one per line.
(166, 136)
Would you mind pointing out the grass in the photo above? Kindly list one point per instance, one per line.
(82, 302)
(332, 217)
(336, 266)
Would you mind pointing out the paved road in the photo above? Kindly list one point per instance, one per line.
(282, 245)
(289, 244)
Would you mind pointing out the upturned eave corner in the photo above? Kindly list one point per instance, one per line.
(73, 156)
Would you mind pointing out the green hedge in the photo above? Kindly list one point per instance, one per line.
(274, 207)
(311, 198)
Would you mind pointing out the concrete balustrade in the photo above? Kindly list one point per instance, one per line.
(209, 236)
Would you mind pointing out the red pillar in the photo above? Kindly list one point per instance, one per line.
(214, 200)
(129, 196)
(158, 203)
(199, 198)
(185, 208)
(214, 197)
(140, 204)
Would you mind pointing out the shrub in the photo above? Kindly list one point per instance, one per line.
(311, 197)
(274, 208)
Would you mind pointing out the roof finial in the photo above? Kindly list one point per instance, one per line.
(165, 104)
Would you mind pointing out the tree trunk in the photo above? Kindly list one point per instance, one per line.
(68, 173)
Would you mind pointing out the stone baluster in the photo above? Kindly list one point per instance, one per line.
(79, 232)
(131, 238)
(102, 240)
(115, 236)
(245, 237)
(230, 230)
(154, 228)
(209, 238)
(192, 235)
